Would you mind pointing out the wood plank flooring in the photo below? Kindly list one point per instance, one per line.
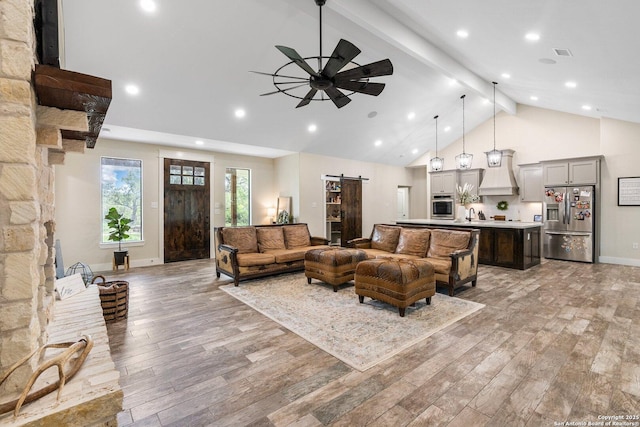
(559, 342)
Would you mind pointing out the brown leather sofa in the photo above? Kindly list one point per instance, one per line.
(262, 250)
(452, 252)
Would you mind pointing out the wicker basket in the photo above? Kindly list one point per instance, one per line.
(114, 297)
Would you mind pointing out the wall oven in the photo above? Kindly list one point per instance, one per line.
(442, 207)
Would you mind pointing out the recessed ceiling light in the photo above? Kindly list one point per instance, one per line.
(198, 142)
(377, 143)
(414, 151)
(411, 115)
(547, 61)
(372, 114)
(105, 129)
(132, 89)
(240, 113)
(533, 98)
(453, 82)
(463, 34)
(312, 128)
(532, 37)
(447, 128)
(148, 5)
(506, 75)
(586, 107)
(571, 85)
(485, 102)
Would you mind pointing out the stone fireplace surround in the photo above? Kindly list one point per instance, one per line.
(31, 145)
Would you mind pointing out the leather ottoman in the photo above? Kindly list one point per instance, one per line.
(334, 266)
(399, 282)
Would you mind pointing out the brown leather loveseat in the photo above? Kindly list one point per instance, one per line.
(262, 250)
(452, 252)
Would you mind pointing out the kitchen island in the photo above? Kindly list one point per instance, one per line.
(510, 244)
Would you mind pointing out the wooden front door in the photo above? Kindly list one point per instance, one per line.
(351, 209)
(186, 210)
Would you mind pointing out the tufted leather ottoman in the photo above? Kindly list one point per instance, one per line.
(399, 282)
(332, 265)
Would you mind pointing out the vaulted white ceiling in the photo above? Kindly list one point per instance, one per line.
(191, 61)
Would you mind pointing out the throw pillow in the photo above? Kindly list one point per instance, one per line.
(270, 238)
(296, 236)
(243, 238)
(385, 237)
(413, 241)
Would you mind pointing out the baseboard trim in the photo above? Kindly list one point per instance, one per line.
(132, 263)
(620, 261)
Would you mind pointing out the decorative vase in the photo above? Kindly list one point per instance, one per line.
(461, 213)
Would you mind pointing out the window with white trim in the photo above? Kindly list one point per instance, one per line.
(121, 188)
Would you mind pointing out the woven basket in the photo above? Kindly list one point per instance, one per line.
(114, 298)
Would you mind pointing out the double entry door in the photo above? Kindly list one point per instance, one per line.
(186, 210)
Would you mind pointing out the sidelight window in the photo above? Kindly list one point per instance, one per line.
(237, 187)
(121, 187)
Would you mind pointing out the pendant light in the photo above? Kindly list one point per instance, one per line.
(463, 161)
(437, 163)
(494, 157)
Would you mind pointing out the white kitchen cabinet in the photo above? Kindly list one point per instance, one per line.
(472, 177)
(571, 172)
(530, 183)
(443, 183)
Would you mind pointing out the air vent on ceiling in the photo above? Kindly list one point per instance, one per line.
(562, 52)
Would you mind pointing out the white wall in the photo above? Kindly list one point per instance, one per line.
(379, 192)
(537, 134)
(78, 215)
(287, 182)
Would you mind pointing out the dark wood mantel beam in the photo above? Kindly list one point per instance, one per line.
(69, 90)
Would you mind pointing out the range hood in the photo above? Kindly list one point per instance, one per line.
(500, 181)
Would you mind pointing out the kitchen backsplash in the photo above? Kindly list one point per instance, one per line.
(517, 210)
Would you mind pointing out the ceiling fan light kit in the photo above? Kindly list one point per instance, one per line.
(329, 79)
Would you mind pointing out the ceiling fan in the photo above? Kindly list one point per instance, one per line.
(329, 79)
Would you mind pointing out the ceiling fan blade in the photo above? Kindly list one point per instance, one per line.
(375, 69)
(295, 57)
(365, 87)
(283, 90)
(338, 98)
(344, 52)
(279, 75)
(307, 98)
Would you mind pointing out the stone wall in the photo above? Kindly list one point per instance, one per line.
(26, 199)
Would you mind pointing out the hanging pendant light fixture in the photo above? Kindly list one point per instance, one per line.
(463, 161)
(494, 157)
(437, 163)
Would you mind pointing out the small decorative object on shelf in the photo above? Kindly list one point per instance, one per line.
(502, 205)
(83, 269)
(465, 195)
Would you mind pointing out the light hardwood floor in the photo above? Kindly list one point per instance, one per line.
(559, 342)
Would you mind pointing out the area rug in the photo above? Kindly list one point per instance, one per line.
(361, 335)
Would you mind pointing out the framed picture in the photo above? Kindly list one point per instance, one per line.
(283, 213)
(629, 191)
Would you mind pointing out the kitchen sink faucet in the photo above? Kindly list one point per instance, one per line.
(472, 212)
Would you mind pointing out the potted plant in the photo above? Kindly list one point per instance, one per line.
(119, 226)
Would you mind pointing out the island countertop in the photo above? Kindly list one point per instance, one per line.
(472, 224)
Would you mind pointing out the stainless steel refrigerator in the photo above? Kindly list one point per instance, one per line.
(569, 221)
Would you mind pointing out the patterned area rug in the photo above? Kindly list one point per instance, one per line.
(360, 335)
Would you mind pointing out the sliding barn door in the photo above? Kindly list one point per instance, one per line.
(186, 210)
(351, 209)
